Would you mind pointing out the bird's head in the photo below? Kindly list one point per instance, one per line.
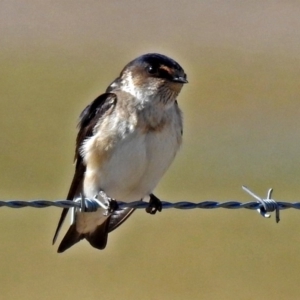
(153, 76)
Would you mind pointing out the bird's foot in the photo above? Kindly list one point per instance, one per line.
(113, 205)
(154, 205)
(110, 204)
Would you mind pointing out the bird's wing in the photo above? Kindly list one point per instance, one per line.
(87, 121)
(118, 217)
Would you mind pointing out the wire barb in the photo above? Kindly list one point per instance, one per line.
(267, 205)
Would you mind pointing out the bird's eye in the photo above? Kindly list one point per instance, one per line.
(152, 70)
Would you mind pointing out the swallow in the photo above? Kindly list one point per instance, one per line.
(127, 139)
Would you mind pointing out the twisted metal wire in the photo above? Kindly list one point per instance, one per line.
(262, 205)
(140, 204)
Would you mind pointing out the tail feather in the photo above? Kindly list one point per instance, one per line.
(72, 237)
(97, 238)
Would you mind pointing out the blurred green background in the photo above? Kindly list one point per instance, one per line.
(241, 116)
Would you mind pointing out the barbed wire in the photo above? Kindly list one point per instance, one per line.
(263, 206)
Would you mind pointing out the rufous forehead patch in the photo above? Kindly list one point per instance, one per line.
(169, 70)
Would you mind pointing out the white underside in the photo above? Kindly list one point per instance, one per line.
(135, 165)
(134, 169)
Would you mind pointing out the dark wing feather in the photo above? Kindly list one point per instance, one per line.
(118, 217)
(87, 121)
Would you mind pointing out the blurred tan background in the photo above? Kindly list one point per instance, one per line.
(241, 111)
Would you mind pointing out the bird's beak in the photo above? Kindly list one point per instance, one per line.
(179, 79)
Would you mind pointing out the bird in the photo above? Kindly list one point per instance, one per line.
(127, 139)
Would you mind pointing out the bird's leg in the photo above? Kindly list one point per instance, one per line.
(154, 205)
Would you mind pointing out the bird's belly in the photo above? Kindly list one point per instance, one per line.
(135, 165)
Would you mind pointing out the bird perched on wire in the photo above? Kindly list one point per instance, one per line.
(127, 139)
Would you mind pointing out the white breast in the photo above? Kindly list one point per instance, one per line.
(136, 161)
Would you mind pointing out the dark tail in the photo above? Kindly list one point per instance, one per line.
(97, 238)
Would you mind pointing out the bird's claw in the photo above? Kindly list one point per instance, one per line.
(110, 205)
(154, 205)
(113, 206)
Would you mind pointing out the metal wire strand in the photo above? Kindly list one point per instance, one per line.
(264, 206)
